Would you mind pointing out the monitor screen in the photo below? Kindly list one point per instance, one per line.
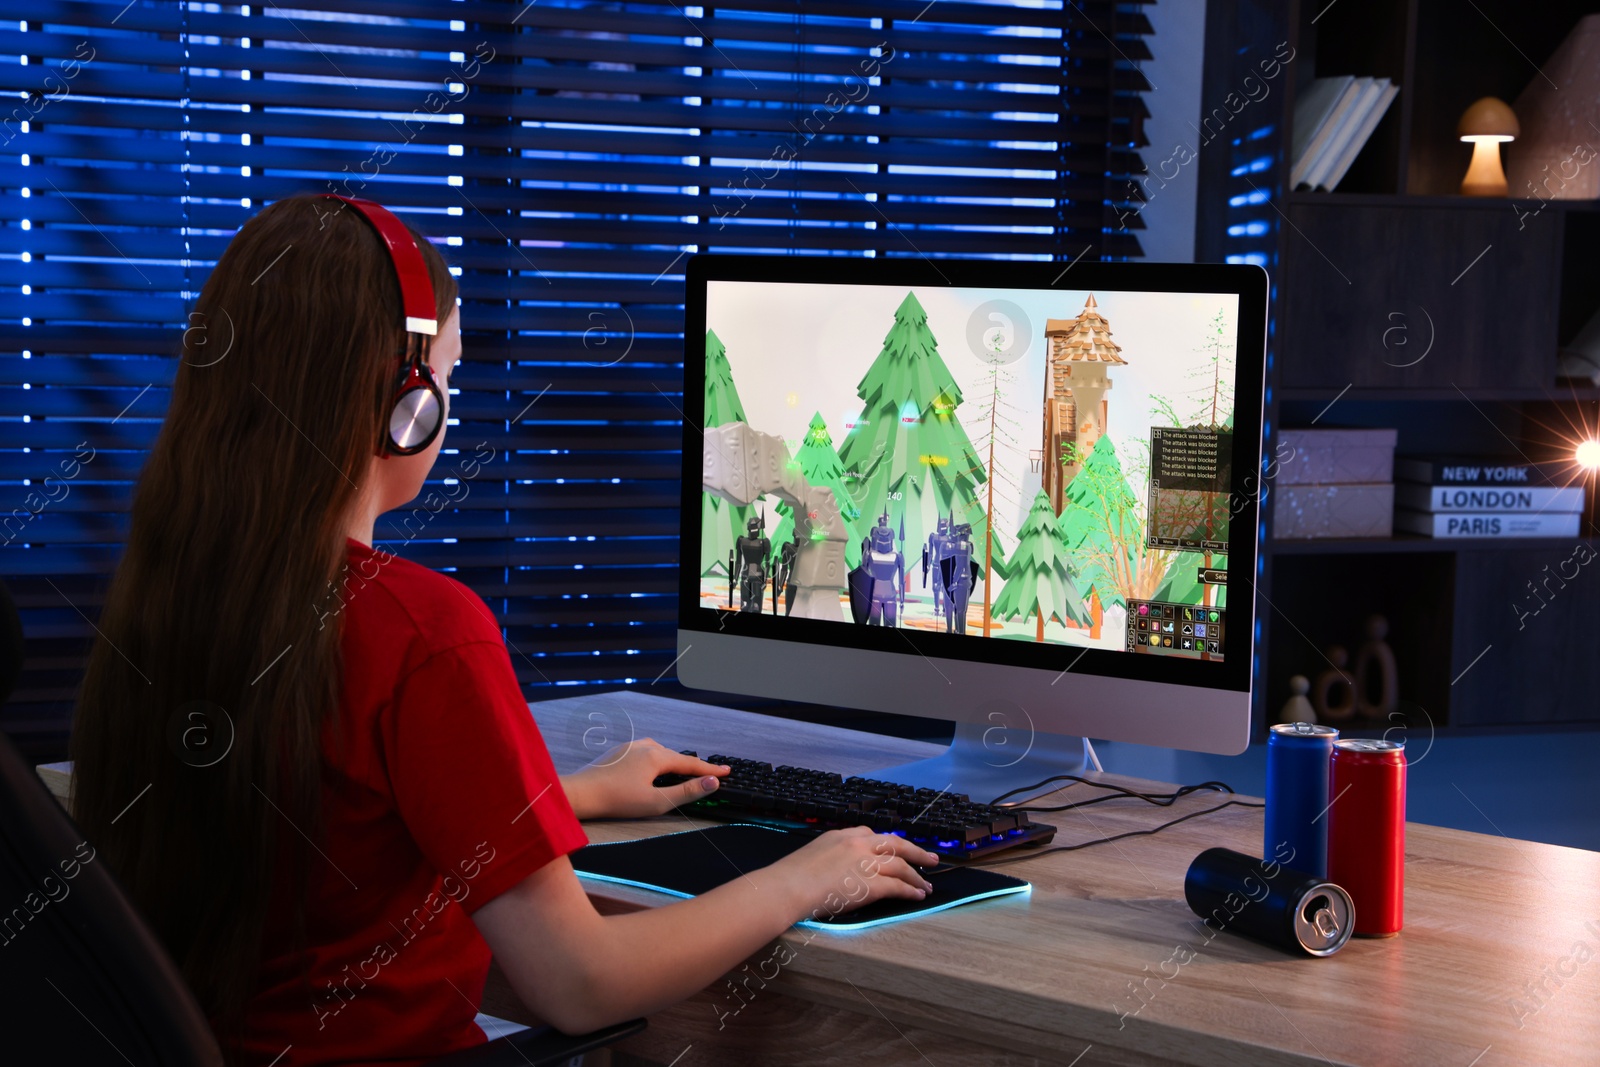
(966, 461)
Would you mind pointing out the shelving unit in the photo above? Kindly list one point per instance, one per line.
(1397, 303)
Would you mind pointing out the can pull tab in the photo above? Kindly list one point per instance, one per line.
(1326, 923)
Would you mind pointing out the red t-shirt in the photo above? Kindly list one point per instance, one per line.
(440, 797)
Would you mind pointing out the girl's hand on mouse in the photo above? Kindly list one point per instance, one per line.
(618, 785)
(843, 869)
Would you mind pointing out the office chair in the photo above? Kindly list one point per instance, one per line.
(83, 980)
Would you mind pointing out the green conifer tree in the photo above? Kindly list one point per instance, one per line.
(1039, 573)
(721, 523)
(821, 466)
(1098, 506)
(908, 454)
(1182, 584)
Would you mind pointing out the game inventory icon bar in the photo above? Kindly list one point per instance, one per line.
(1180, 627)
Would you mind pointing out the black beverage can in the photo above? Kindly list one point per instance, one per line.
(1261, 898)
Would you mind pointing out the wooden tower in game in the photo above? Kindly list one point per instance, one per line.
(1078, 353)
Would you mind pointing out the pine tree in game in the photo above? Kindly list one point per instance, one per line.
(1182, 584)
(996, 422)
(721, 523)
(1103, 524)
(908, 453)
(1039, 575)
(821, 466)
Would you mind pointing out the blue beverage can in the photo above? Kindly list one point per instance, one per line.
(1299, 760)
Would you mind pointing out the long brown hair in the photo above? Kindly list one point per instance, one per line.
(198, 725)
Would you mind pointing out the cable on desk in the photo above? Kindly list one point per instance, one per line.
(1162, 800)
(1115, 837)
(1040, 785)
(1101, 785)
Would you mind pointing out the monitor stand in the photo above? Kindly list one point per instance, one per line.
(984, 761)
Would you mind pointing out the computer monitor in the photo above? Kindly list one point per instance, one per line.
(1008, 494)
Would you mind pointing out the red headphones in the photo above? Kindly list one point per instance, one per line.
(417, 408)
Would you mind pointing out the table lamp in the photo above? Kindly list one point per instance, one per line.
(1486, 124)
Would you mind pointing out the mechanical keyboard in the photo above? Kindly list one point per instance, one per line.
(799, 798)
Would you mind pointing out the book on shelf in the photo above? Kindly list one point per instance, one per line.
(1481, 470)
(1316, 113)
(1333, 119)
(1484, 498)
(1452, 524)
(1386, 92)
(1366, 96)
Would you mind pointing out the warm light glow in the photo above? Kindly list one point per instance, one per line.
(1587, 454)
(1485, 177)
(1496, 138)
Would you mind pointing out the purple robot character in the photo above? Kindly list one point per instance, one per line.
(958, 573)
(937, 548)
(877, 586)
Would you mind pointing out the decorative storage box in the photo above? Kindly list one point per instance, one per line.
(1334, 483)
(1336, 457)
(1302, 511)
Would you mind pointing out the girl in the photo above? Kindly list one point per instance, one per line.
(308, 760)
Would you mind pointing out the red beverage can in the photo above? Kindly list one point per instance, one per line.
(1367, 831)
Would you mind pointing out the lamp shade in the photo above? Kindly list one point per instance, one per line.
(1552, 160)
(1490, 119)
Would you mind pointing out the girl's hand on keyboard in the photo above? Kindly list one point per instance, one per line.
(618, 784)
(844, 869)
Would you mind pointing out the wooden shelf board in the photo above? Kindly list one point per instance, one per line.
(1340, 546)
(1580, 393)
(1374, 729)
(1408, 200)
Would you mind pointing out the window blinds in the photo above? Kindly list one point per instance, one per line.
(568, 157)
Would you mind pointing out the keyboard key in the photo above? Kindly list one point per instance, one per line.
(884, 819)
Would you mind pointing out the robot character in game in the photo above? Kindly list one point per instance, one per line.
(877, 586)
(936, 549)
(958, 573)
(783, 578)
(750, 559)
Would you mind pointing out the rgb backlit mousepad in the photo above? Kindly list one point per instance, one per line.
(690, 862)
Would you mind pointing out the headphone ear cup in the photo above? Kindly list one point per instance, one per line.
(418, 411)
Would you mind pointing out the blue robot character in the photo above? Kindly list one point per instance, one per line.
(933, 552)
(877, 586)
(958, 573)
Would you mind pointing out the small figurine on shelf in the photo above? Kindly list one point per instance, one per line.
(1335, 683)
(1377, 655)
(1297, 708)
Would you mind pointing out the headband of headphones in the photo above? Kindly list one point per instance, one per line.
(416, 286)
(416, 414)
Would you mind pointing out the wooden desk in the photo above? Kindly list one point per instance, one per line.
(1083, 971)
(1086, 970)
